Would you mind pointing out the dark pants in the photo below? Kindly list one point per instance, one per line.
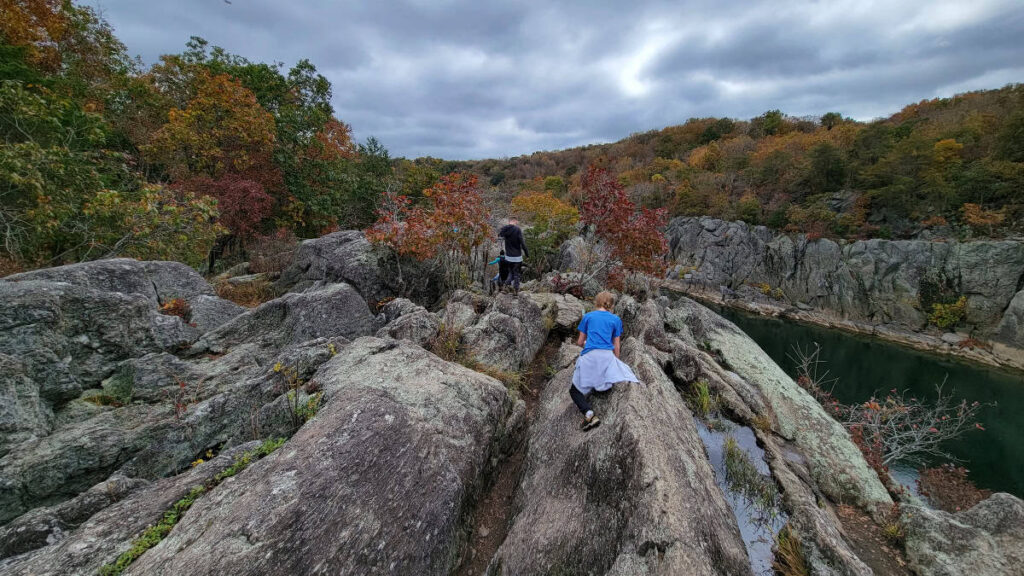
(516, 272)
(579, 399)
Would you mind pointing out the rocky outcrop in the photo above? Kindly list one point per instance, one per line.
(58, 339)
(834, 461)
(565, 309)
(94, 381)
(335, 310)
(504, 332)
(409, 321)
(347, 256)
(394, 453)
(110, 526)
(378, 483)
(620, 499)
(985, 540)
(158, 281)
(876, 282)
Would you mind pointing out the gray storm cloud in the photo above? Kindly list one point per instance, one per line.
(459, 79)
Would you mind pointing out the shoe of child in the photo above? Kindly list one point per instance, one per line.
(590, 423)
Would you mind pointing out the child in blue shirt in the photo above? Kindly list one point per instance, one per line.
(598, 367)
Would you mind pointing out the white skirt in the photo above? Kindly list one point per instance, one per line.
(598, 370)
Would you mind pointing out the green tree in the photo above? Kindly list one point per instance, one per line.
(830, 120)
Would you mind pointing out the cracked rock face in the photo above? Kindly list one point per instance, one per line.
(985, 540)
(346, 256)
(377, 483)
(620, 499)
(872, 281)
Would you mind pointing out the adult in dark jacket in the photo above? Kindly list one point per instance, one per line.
(515, 250)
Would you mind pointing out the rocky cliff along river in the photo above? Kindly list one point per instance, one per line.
(881, 287)
(327, 432)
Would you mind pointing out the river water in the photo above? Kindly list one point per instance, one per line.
(866, 366)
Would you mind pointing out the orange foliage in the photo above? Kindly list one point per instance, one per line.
(333, 142)
(223, 129)
(455, 219)
(978, 218)
(36, 24)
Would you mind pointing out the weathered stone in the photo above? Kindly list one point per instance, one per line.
(985, 540)
(209, 312)
(565, 309)
(873, 281)
(508, 335)
(620, 499)
(835, 462)
(347, 256)
(24, 415)
(377, 483)
(70, 337)
(1011, 327)
(409, 321)
(109, 532)
(45, 526)
(158, 281)
(336, 310)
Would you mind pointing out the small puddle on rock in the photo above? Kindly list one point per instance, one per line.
(748, 488)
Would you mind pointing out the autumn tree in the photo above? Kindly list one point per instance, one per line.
(223, 129)
(552, 222)
(635, 236)
(449, 228)
(37, 25)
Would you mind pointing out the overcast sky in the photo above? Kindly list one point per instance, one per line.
(475, 79)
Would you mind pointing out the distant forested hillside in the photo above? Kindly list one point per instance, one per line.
(953, 166)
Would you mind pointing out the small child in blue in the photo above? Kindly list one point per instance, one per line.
(501, 278)
(598, 368)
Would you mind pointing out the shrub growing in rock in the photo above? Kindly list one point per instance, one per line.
(947, 316)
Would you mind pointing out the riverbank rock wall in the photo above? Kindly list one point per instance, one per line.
(884, 283)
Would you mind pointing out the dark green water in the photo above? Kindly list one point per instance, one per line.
(866, 366)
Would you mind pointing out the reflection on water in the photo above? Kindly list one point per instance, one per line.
(866, 366)
(758, 524)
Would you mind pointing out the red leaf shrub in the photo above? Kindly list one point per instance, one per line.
(634, 235)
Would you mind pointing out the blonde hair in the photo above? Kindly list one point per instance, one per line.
(605, 300)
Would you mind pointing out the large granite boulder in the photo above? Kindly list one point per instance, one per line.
(347, 256)
(334, 310)
(158, 281)
(508, 334)
(634, 496)
(378, 483)
(69, 337)
(985, 540)
(208, 312)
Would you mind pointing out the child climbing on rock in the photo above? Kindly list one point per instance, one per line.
(598, 368)
(501, 278)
